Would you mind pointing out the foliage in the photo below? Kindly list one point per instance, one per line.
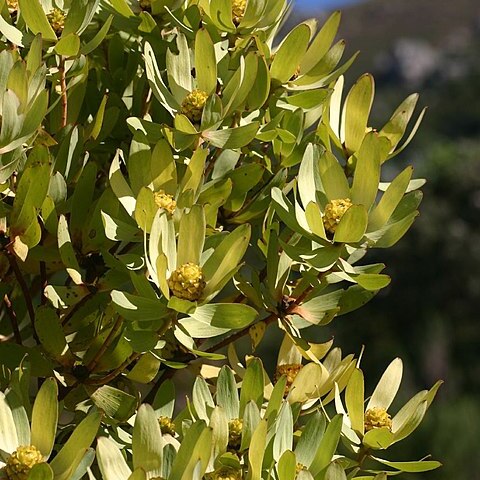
(173, 181)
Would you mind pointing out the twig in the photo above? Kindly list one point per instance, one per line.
(63, 88)
(108, 341)
(115, 373)
(13, 319)
(43, 282)
(26, 293)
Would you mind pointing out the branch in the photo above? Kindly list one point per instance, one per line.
(63, 88)
(13, 319)
(25, 290)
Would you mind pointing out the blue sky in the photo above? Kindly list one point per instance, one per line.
(322, 3)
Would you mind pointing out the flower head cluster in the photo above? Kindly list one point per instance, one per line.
(56, 18)
(377, 417)
(12, 6)
(145, 5)
(290, 371)
(167, 426)
(238, 10)
(225, 473)
(187, 282)
(235, 427)
(165, 201)
(334, 211)
(21, 461)
(192, 105)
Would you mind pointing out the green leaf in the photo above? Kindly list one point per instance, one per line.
(202, 399)
(113, 402)
(328, 446)
(68, 45)
(97, 40)
(193, 454)
(287, 466)
(93, 130)
(145, 209)
(205, 62)
(41, 471)
(256, 451)
(45, 416)
(133, 307)
(388, 386)
(352, 226)
(307, 383)
(372, 153)
(11, 33)
(110, 460)
(372, 281)
(252, 385)
(227, 394)
(50, 332)
(215, 319)
(8, 439)
(191, 236)
(231, 138)
(356, 112)
(146, 368)
(321, 44)
(225, 260)
(289, 54)
(283, 438)
(67, 459)
(311, 437)
(146, 445)
(333, 177)
(36, 20)
(67, 253)
(413, 467)
(378, 438)
(354, 398)
(335, 472)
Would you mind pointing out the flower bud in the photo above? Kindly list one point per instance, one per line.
(146, 5)
(56, 18)
(290, 370)
(166, 425)
(238, 10)
(235, 427)
(187, 282)
(165, 201)
(334, 211)
(377, 417)
(192, 105)
(12, 6)
(21, 461)
(225, 473)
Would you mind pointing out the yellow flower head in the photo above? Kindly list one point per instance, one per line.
(290, 370)
(146, 5)
(235, 427)
(334, 211)
(166, 425)
(165, 201)
(192, 106)
(21, 461)
(238, 10)
(187, 282)
(12, 6)
(56, 18)
(377, 417)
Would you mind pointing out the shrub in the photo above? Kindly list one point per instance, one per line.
(173, 181)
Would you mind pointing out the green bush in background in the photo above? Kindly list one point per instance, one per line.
(173, 181)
